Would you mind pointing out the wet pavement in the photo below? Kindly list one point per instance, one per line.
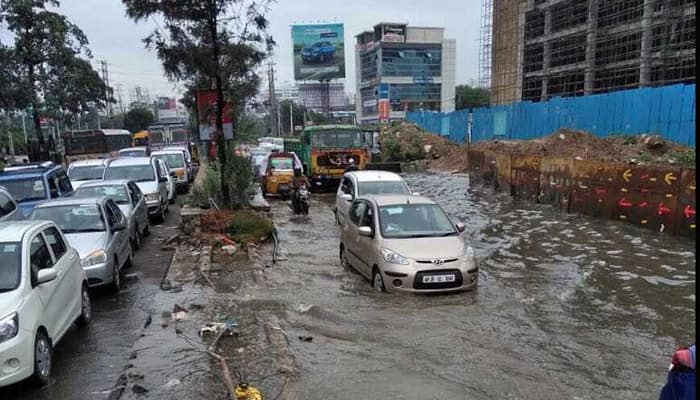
(567, 307)
(87, 363)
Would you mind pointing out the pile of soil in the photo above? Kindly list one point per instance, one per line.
(564, 143)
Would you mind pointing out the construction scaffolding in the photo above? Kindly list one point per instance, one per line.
(549, 48)
(485, 43)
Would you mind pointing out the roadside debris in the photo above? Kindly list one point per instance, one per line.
(226, 328)
(307, 339)
(304, 308)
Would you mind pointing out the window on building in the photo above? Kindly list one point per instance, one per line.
(412, 61)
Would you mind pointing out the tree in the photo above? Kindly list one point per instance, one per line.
(138, 119)
(44, 64)
(219, 42)
(471, 97)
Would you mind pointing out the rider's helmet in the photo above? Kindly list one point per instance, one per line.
(351, 161)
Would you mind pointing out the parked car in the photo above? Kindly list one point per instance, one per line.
(134, 152)
(149, 176)
(318, 52)
(97, 229)
(9, 211)
(130, 200)
(177, 163)
(407, 243)
(169, 176)
(43, 291)
(82, 171)
(33, 183)
(365, 183)
(192, 166)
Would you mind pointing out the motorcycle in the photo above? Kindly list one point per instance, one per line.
(300, 200)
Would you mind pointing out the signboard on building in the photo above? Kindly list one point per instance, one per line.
(166, 108)
(383, 91)
(319, 52)
(206, 107)
(384, 110)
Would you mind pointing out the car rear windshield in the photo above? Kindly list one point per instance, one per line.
(371, 188)
(10, 263)
(26, 189)
(414, 220)
(86, 173)
(72, 218)
(133, 153)
(116, 192)
(173, 160)
(282, 163)
(136, 173)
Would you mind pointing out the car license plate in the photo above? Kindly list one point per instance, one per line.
(438, 278)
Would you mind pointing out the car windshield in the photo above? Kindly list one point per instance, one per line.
(132, 153)
(414, 220)
(136, 173)
(86, 173)
(116, 192)
(282, 163)
(173, 160)
(370, 188)
(72, 218)
(10, 264)
(337, 139)
(28, 189)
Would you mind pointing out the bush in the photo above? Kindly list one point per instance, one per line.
(415, 150)
(239, 183)
(209, 188)
(392, 151)
(684, 158)
(247, 225)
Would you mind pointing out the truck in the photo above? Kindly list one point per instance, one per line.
(325, 152)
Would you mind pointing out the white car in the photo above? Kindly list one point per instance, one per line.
(172, 189)
(366, 183)
(149, 176)
(179, 170)
(134, 152)
(43, 291)
(82, 171)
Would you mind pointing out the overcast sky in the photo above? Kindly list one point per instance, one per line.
(116, 39)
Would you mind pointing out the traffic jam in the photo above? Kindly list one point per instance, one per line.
(65, 232)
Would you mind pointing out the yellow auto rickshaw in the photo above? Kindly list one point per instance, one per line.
(278, 174)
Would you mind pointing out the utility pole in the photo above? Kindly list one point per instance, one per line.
(274, 107)
(105, 78)
(291, 117)
(121, 105)
(24, 129)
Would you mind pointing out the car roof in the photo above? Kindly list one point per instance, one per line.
(375, 176)
(120, 162)
(393, 199)
(31, 170)
(72, 201)
(166, 151)
(110, 182)
(83, 163)
(178, 148)
(13, 231)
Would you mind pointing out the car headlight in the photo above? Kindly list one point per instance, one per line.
(469, 252)
(470, 258)
(394, 258)
(9, 327)
(153, 197)
(96, 257)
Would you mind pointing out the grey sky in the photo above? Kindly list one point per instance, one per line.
(116, 39)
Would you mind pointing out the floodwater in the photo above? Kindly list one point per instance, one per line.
(567, 307)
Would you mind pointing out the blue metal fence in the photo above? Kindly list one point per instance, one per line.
(668, 111)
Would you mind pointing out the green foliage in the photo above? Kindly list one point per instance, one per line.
(249, 226)
(239, 176)
(684, 158)
(250, 127)
(415, 150)
(138, 119)
(471, 97)
(391, 151)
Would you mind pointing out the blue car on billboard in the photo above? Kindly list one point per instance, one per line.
(318, 52)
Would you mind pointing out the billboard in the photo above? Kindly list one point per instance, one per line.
(206, 108)
(319, 52)
(166, 107)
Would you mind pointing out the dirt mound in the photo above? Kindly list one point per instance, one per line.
(408, 142)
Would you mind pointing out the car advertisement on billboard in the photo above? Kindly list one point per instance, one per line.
(319, 52)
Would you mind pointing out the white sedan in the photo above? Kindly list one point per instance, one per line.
(43, 291)
(366, 183)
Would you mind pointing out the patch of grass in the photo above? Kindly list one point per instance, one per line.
(250, 226)
(683, 158)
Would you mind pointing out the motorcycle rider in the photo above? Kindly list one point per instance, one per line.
(298, 181)
(351, 165)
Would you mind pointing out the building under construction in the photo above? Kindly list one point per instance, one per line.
(538, 49)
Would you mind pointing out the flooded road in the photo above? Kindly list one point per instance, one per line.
(567, 307)
(87, 363)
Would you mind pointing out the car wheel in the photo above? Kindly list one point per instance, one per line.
(42, 359)
(147, 230)
(137, 239)
(130, 261)
(377, 280)
(343, 259)
(85, 308)
(116, 277)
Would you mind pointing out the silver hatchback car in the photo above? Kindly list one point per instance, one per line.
(97, 228)
(130, 200)
(407, 243)
(9, 211)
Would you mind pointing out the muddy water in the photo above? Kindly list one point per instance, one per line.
(567, 308)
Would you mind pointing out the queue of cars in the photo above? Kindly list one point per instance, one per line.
(64, 233)
(399, 240)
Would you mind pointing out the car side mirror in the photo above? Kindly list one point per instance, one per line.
(346, 197)
(460, 227)
(162, 179)
(118, 227)
(365, 231)
(46, 275)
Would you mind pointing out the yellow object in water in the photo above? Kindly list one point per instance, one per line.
(245, 392)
